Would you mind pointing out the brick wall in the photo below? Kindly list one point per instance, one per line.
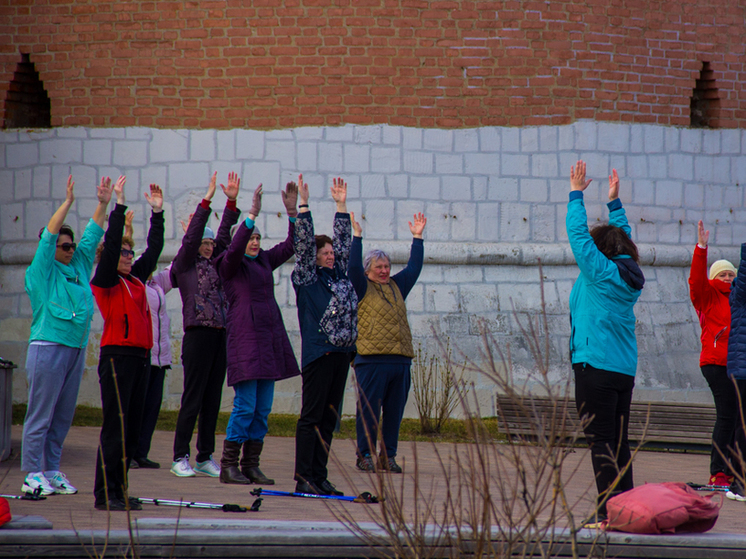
(428, 64)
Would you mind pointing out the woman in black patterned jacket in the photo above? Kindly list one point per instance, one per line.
(327, 312)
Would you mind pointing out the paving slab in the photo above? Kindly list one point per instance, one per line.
(76, 512)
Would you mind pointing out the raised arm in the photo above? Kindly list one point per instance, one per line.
(409, 275)
(106, 272)
(103, 192)
(590, 260)
(144, 266)
(355, 269)
(617, 214)
(230, 214)
(342, 239)
(58, 217)
(281, 252)
(700, 289)
(304, 243)
(195, 228)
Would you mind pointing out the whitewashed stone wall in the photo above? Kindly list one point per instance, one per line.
(495, 199)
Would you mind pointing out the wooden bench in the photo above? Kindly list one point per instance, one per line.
(670, 426)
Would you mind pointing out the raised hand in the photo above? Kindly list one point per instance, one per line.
(702, 235)
(69, 192)
(211, 188)
(156, 198)
(104, 191)
(339, 191)
(577, 177)
(418, 226)
(185, 226)
(613, 185)
(302, 192)
(128, 219)
(119, 189)
(290, 198)
(357, 231)
(234, 185)
(256, 202)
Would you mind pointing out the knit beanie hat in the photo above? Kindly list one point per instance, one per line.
(256, 232)
(721, 266)
(208, 234)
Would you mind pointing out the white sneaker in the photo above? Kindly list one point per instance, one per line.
(733, 496)
(182, 468)
(61, 484)
(37, 484)
(208, 467)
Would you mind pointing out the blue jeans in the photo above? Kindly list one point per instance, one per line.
(54, 373)
(251, 406)
(381, 386)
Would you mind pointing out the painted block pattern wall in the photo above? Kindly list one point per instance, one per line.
(224, 64)
(495, 198)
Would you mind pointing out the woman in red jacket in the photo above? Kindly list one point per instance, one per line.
(124, 365)
(710, 299)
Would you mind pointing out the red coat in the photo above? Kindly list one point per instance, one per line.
(126, 314)
(710, 300)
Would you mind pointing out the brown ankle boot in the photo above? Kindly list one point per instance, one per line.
(250, 463)
(229, 472)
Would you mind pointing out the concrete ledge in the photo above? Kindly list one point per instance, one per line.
(474, 254)
(264, 538)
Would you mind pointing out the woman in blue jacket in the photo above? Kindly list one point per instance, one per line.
(603, 347)
(737, 372)
(327, 313)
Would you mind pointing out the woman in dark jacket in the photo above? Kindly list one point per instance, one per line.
(737, 373)
(124, 366)
(203, 346)
(258, 348)
(327, 312)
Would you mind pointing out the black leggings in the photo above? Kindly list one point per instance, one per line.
(726, 417)
(606, 396)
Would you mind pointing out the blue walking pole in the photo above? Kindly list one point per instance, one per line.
(365, 497)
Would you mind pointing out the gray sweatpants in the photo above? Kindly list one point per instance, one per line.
(54, 373)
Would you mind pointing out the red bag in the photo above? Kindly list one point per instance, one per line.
(4, 511)
(662, 508)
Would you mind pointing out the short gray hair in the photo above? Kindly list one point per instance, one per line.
(372, 255)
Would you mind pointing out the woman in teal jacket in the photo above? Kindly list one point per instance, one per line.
(57, 282)
(603, 347)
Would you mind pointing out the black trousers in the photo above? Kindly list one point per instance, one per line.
(323, 387)
(739, 437)
(724, 393)
(152, 408)
(606, 396)
(132, 374)
(203, 357)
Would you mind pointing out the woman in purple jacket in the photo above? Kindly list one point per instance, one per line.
(258, 349)
(203, 346)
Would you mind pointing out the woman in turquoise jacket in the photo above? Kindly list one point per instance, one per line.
(57, 282)
(603, 347)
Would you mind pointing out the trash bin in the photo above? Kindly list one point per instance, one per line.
(6, 405)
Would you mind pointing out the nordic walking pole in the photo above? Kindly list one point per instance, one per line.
(365, 497)
(195, 505)
(35, 496)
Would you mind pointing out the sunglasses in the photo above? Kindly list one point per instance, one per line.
(126, 253)
(67, 246)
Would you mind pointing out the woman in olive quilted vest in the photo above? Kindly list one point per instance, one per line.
(384, 345)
